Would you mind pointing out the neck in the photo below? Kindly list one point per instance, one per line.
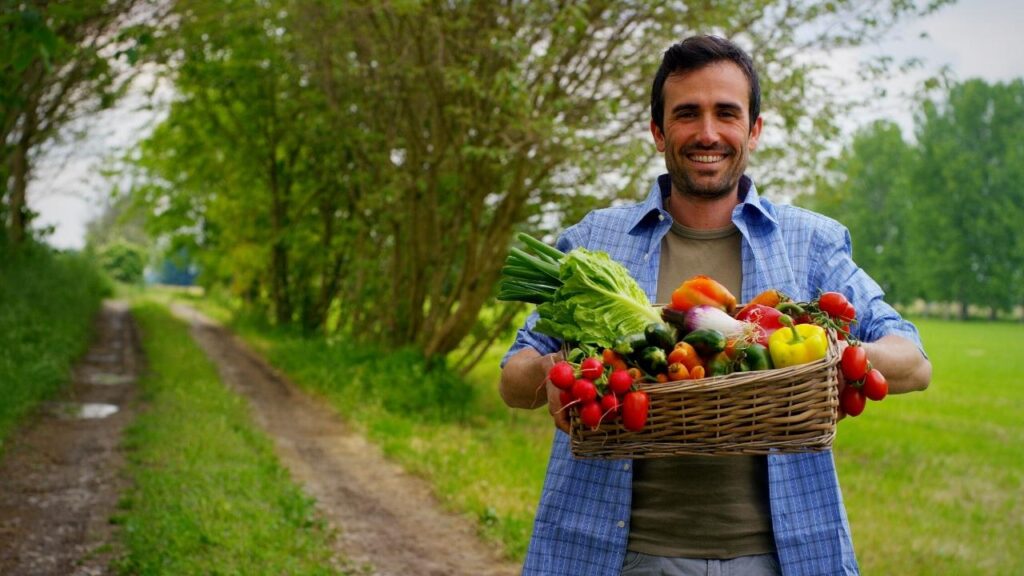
(701, 213)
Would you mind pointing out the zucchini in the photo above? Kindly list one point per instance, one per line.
(661, 335)
(706, 341)
(653, 360)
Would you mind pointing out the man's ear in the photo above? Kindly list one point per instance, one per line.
(755, 134)
(659, 138)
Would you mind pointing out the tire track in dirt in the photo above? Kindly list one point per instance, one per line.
(61, 474)
(387, 520)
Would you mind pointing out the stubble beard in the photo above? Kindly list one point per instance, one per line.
(686, 185)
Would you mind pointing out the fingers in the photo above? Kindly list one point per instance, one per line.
(558, 414)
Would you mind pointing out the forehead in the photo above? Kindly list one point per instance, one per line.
(718, 83)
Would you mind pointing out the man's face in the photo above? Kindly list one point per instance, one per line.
(707, 132)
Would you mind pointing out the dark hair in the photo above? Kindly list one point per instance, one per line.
(695, 53)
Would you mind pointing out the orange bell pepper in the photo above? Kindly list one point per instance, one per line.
(702, 290)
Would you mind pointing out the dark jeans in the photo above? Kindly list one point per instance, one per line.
(637, 564)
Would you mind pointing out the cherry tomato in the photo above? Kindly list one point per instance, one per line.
(852, 401)
(634, 410)
(849, 313)
(833, 304)
(590, 414)
(620, 382)
(591, 368)
(875, 386)
(562, 376)
(854, 363)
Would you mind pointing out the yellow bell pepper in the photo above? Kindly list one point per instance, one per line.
(799, 344)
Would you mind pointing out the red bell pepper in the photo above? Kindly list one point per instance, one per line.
(765, 318)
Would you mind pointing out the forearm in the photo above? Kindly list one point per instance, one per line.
(901, 362)
(524, 376)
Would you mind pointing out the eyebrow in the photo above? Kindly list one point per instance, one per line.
(720, 106)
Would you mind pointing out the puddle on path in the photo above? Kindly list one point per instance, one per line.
(108, 379)
(103, 357)
(82, 411)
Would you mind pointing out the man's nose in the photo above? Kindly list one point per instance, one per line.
(708, 134)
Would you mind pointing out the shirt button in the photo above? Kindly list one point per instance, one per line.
(625, 466)
(621, 524)
(647, 257)
(661, 217)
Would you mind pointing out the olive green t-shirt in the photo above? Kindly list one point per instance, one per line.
(700, 506)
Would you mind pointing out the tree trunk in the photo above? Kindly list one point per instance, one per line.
(279, 250)
(17, 206)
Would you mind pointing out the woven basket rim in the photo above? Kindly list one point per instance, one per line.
(802, 412)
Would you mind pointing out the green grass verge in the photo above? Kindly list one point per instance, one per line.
(208, 494)
(483, 459)
(934, 481)
(47, 305)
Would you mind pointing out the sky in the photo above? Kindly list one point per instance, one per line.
(974, 38)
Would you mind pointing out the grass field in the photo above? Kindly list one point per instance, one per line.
(208, 495)
(932, 481)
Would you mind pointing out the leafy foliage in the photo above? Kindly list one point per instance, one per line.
(123, 261)
(58, 62)
(360, 168)
(939, 219)
(48, 303)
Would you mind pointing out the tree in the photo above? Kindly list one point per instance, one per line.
(872, 196)
(376, 159)
(968, 200)
(59, 62)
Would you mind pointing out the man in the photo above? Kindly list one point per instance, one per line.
(781, 513)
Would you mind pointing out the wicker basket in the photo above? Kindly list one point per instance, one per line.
(791, 409)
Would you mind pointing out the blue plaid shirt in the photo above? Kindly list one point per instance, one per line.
(582, 523)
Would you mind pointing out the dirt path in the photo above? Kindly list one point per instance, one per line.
(60, 477)
(388, 520)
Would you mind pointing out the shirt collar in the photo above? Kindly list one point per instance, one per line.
(652, 209)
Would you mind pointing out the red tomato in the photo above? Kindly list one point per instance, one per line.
(634, 411)
(849, 313)
(875, 386)
(833, 303)
(584, 390)
(620, 382)
(591, 368)
(854, 363)
(852, 401)
(562, 376)
(590, 414)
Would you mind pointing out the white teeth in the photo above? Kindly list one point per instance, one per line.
(706, 159)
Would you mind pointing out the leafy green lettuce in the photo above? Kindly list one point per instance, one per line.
(597, 302)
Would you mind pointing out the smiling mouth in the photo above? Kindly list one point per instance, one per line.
(706, 158)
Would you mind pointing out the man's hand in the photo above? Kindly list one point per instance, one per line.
(558, 413)
(525, 384)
